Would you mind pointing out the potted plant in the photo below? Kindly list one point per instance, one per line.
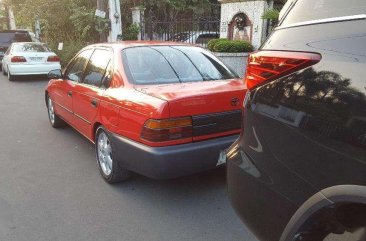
(233, 53)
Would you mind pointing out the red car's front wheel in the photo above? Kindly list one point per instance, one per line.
(55, 121)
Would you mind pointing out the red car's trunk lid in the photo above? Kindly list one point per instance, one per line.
(215, 106)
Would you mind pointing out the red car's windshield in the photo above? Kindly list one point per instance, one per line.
(172, 64)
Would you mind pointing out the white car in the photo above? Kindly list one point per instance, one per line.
(29, 58)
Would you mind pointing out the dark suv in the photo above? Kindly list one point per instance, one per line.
(7, 37)
(298, 171)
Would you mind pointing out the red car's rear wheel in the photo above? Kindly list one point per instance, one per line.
(108, 165)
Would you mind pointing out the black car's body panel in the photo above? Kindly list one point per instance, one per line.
(303, 133)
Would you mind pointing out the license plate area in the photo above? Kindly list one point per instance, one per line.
(36, 59)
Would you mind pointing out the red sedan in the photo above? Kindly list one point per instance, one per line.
(162, 110)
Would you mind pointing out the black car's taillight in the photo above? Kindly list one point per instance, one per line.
(167, 129)
(265, 66)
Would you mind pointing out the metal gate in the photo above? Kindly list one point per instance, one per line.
(198, 32)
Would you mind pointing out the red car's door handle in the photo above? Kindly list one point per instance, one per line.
(94, 103)
(69, 93)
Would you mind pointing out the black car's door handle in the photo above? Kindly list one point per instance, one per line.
(94, 103)
(69, 93)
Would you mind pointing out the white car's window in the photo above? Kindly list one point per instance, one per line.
(31, 47)
(309, 10)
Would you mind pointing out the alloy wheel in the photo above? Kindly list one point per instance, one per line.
(51, 111)
(104, 151)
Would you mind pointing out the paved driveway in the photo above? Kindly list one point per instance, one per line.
(50, 188)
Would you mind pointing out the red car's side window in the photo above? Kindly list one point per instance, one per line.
(75, 70)
(97, 67)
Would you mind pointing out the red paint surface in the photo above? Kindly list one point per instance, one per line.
(124, 108)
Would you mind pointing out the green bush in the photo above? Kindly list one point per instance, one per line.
(131, 33)
(211, 44)
(229, 46)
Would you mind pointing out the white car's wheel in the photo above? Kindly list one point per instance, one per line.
(10, 76)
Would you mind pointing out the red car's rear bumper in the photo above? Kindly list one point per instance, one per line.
(171, 161)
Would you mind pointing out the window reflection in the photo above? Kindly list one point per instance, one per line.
(323, 102)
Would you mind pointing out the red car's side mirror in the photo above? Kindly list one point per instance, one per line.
(55, 74)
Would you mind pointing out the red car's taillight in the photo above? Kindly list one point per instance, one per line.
(167, 129)
(53, 58)
(265, 66)
(18, 59)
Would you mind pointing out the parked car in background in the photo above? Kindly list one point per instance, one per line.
(197, 38)
(298, 171)
(7, 37)
(159, 109)
(29, 58)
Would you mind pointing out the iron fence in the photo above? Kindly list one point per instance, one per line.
(198, 32)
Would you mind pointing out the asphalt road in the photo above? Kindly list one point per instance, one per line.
(50, 187)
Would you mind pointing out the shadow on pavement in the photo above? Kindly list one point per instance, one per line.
(31, 78)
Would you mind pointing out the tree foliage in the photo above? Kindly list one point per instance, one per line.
(73, 22)
(61, 20)
(170, 10)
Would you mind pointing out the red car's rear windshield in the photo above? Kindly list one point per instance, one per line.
(172, 64)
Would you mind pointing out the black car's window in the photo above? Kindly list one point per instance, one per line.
(308, 10)
(96, 69)
(22, 37)
(7, 37)
(75, 71)
(31, 47)
(205, 38)
(181, 37)
(14, 37)
(172, 64)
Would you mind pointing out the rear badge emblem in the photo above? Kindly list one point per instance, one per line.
(235, 101)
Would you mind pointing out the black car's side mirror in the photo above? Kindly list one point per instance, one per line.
(55, 74)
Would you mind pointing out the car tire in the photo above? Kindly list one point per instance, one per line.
(109, 167)
(344, 224)
(56, 122)
(3, 70)
(10, 76)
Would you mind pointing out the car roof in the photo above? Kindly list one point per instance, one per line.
(14, 31)
(40, 43)
(128, 44)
